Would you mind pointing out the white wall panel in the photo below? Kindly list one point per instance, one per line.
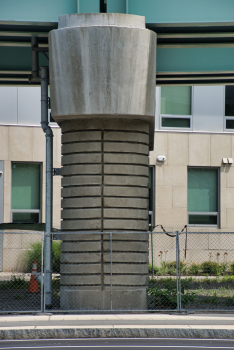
(8, 105)
(157, 107)
(208, 108)
(29, 105)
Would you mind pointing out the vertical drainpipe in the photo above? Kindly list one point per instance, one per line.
(49, 185)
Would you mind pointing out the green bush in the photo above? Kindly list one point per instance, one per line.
(156, 269)
(194, 269)
(35, 253)
(210, 268)
(165, 295)
(232, 268)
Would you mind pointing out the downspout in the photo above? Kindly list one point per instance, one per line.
(49, 185)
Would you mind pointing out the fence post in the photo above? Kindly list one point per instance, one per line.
(152, 253)
(111, 269)
(42, 273)
(178, 284)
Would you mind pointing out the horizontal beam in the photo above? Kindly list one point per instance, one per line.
(23, 34)
(40, 47)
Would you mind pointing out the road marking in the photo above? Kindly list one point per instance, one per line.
(118, 346)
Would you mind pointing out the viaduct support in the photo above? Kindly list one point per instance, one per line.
(102, 77)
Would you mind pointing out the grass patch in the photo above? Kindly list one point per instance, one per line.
(196, 293)
(14, 283)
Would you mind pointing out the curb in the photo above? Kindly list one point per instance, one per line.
(63, 333)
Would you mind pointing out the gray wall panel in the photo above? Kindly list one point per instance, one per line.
(1, 190)
(1, 208)
(29, 105)
(208, 108)
(8, 105)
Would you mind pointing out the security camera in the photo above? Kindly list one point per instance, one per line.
(161, 158)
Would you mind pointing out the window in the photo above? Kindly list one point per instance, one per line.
(229, 107)
(203, 196)
(176, 107)
(151, 197)
(25, 193)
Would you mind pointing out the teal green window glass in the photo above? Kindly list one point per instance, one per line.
(25, 218)
(176, 100)
(202, 190)
(229, 100)
(203, 219)
(229, 123)
(25, 193)
(176, 122)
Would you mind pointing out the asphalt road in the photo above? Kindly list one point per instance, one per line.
(118, 344)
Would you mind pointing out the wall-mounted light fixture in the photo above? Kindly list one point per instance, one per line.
(227, 161)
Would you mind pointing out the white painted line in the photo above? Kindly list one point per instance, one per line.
(121, 345)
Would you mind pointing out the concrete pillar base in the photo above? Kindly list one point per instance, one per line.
(91, 298)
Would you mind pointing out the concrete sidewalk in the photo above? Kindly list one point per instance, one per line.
(220, 326)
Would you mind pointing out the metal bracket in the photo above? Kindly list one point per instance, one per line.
(57, 171)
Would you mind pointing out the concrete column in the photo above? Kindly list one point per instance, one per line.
(102, 77)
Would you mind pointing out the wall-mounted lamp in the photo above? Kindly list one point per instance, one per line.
(161, 159)
(1, 172)
(227, 160)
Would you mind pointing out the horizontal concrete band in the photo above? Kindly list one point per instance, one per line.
(109, 202)
(104, 124)
(137, 331)
(121, 280)
(96, 19)
(97, 246)
(126, 135)
(81, 180)
(127, 236)
(108, 169)
(111, 191)
(107, 224)
(111, 158)
(107, 213)
(110, 146)
(97, 268)
(96, 257)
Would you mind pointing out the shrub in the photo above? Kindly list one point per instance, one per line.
(194, 269)
(232, 268)
(150, 268)
(35, 253)
(210, 268)
(165, 295)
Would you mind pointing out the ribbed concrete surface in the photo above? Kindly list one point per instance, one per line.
(104, 201)
(117, 178)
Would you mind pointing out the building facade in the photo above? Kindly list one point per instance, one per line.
(22, 158)
(194, 131)
(194, 186)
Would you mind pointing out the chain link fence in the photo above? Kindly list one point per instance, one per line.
(195, 272)
(164, 270)
(18, 250)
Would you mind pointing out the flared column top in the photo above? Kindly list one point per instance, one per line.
(101, 19)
